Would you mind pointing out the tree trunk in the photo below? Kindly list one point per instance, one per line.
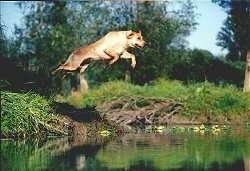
(66, 87)
(128, 75)
(83, 84)
(247, 163)
(247, 73)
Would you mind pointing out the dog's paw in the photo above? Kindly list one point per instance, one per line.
(133, 65)
(111, 62)
(64, 76)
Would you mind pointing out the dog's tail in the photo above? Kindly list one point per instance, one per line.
(63, 65)
(56, 70)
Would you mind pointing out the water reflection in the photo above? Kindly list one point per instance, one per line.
(187, 151)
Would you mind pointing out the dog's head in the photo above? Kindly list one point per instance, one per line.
(135, 39)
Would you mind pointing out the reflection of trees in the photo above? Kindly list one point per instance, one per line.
(32, 155)
(131, 151)
(77, 158)
(154, 149)
(69, 153)
(175, 152)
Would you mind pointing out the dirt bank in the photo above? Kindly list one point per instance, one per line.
(130, 115)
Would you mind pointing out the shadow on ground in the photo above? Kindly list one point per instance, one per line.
(80, 115)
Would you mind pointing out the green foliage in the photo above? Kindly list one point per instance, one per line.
(24, 114)
(3, 41)
(162, 28)
(234, 35)
(52, 29)
(200, 65)
(45, 39)
(166, 89)
(184, 65)
(208, 99)
(202, 99)
(104, 93)
(117, 89)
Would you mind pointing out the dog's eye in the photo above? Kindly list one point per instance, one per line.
(138, 38)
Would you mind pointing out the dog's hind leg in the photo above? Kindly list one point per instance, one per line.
(83, 68)
(83, 82)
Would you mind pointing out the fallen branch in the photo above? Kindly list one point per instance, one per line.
(139, 111)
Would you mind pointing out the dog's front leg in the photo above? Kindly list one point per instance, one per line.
(127, 55)
(83, 68)
(113, 54)
(83, 82)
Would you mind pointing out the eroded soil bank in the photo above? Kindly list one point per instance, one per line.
(130, 115)
(127, 115)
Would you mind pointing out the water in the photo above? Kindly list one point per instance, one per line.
(229, 150)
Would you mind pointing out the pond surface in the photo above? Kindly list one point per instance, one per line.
(227, 150)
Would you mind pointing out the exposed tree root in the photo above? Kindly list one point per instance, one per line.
(139, 111)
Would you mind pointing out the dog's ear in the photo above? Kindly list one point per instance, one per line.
(139, 32)
(129, 34)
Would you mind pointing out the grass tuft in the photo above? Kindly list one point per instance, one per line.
(24, 114)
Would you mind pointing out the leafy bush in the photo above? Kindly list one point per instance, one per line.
(208, 99)
(24, 113)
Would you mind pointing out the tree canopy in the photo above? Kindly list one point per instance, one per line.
(51, 30)
(235, 33)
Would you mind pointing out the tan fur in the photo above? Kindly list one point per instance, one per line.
(111, 47)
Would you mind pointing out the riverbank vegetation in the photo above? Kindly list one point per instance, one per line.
(28, 114)
(209, 85)
(198, 99)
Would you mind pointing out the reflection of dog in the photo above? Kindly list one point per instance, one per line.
(111, 47)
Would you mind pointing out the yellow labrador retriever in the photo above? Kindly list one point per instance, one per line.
(111, 47)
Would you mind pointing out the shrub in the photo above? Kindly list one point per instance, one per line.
(24, 113)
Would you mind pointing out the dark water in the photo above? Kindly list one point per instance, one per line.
(228, 151)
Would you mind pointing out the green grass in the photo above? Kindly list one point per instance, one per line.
(24, 114)
(210, 99)
(198, 99)
(31, 114)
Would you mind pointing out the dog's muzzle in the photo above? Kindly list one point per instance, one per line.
(140, 45)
